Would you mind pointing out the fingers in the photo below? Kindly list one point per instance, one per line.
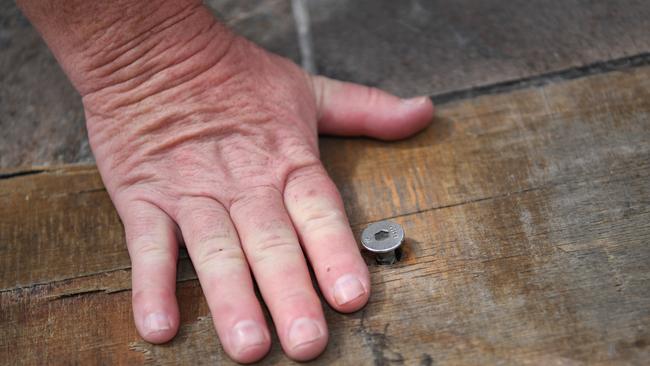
(350, 109)
(151, 240)
(316, 209)
(275, 256)
(214, 248)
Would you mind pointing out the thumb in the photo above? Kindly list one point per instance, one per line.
(349, 109)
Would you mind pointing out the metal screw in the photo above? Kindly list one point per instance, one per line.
(384, 239)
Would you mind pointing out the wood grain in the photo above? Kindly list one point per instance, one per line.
(495, 282)
(527, 217)
(476, 149)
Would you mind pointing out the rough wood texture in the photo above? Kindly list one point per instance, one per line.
(527, 216)
(431, 47)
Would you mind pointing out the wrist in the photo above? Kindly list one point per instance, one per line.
(124, 45)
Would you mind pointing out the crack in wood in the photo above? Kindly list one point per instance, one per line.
(577, 72)
(21, 173)
(379, 344)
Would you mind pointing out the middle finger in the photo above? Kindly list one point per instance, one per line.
(221, 266)
(274, 254)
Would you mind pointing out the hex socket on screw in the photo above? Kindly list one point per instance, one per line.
(383, 238)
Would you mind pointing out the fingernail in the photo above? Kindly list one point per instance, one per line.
(246, 334)
(157, 322)
(304, 331)
(348, 288)
(414, 101)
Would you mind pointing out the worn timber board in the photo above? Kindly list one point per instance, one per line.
(408, 47)
(527, 217)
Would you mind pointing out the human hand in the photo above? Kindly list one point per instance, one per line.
(212, 142)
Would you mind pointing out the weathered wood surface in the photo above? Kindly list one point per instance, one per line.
(528, 223)
(408, 47)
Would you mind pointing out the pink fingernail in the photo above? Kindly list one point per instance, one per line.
(157, 322)
(348, 288)
(414, 101)
(304, 331)
(246, 334)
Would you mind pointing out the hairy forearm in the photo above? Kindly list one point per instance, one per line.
(127, 43)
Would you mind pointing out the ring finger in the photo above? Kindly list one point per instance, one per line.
(213, 246)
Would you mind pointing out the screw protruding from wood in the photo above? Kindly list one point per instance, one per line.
(383, 238)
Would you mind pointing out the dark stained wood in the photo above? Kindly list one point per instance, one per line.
(527, 217)
(420, 47)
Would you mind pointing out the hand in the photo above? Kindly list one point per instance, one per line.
(216, 146)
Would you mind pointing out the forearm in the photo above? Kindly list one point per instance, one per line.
(127, 43)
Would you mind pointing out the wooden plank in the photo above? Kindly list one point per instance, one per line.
(89, 328)
(477, 149)
(420, 47)
(57, 225)
(503, 280)
(527, 218)
(495, 282)
(497, 145)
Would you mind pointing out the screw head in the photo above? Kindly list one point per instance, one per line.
(383, 238)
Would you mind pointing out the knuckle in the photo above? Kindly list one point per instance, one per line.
(148, 249)
(251, 196)
(296, 295)
(203, 216)
(274, 247)
(300, 149)
(373, 95)
(312, 172)
(215, 256)
(216, 234)
(321, 219)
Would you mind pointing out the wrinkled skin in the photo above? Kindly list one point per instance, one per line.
(217, 149)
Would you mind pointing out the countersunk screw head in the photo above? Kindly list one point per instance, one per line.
(384, 239)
